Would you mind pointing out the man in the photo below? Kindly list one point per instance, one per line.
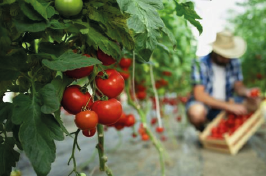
(216, 77)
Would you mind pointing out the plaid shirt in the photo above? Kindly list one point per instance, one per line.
(202, 74)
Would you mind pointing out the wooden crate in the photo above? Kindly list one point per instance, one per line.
(232, 144)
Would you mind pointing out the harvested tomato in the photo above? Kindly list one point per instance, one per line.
(111, 86)
(106, 59)
(68, 7)
(80, 72)
(255, 92)
(125, 62)
(108, 111)
(89, 133)
(130, 120)
(86, 120)
(74, 99)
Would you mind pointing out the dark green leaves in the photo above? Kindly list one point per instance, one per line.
(146, 23)
(70, 61)
(50, 99)
(5, 111)
(187, 9)
(37, 132)
(12, 64)
(8, 156)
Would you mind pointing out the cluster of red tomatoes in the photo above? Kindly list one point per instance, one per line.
(126, 120)
(255, 92)
(78, 101)
(228, 125)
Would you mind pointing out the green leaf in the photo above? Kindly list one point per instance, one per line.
(37, 132)
(187, 9)
(70, 61)
(60, 85)
(115, 23)
(55, 24)
(42, 8)
(28, 10)
(49, 98)
(30, 26)
(50, 48)
(146, 23)
(98, 40)
(12, 64)
(7, 2)
(8, 156)
(5, 111)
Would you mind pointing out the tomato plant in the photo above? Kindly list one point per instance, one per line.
(68, 7)
(75, 98)
(108, 111)
(86, 120)
(110, 83)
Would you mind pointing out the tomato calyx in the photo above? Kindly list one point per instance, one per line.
(83, 89)
(104, 98)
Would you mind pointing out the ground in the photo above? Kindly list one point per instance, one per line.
(128, 156)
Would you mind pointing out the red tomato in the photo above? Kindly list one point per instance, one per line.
(159, 129)
(153, 121)
(125, 62)
(179, 118)
(259, 76)
(140, 88)
(163, 138)
(141, 95)
(130, 120)
(73, 99)
(125, 73)
(119, 126)
(134, 135)
(145, 137)
(89, 133)
(167, 73)
(163, 82)
(80, 72)
(254, 92)
(86, 120)
(113, 85)
(106, 59)
(109, 111)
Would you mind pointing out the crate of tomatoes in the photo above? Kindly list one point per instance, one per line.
(228, 132)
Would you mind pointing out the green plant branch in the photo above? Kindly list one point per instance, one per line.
(154, 140)
(72, 157)
(100, 147)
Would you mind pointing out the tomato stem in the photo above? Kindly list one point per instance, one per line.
(156, 98)
(72, 157)
(100, 147)
(154, 140)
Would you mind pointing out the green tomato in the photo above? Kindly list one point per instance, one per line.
(68, 7)
(82, 174)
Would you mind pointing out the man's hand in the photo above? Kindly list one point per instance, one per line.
(237, 109)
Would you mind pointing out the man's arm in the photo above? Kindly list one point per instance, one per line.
(202, 96)
(240, 89)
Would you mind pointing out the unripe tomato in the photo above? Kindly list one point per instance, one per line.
(74, 99)
(106, 59)
(86, 120)
(89, 133)
(80, 72)
(108, 111)
(113, 85)
(125, 62)
(68, 7)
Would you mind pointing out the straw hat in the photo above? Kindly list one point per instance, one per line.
(229, 46)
